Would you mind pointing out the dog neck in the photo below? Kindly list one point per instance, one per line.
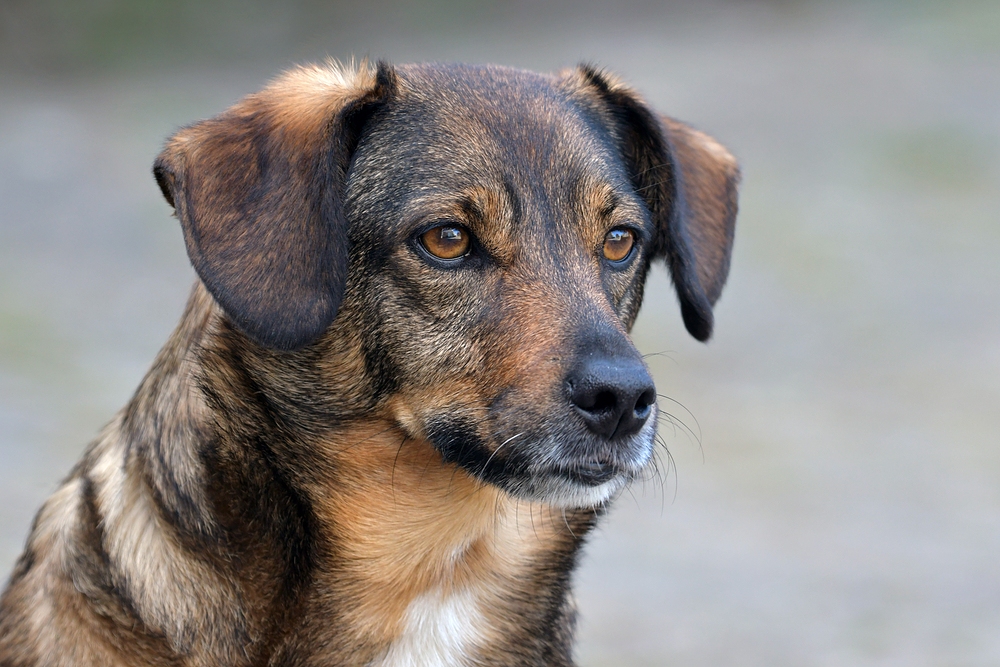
(429, 561)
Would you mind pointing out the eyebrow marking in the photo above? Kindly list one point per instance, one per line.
(610, 203)
(513, 200)
(472, 210)
(598, 198)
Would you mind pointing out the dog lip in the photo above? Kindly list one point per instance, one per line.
(588, 473)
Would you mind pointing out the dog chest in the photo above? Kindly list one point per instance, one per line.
(440, 629)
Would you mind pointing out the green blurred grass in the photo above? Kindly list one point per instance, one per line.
(72, 36)
(67, 37)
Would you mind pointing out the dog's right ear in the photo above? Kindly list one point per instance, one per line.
(689, 182)
(259, 192)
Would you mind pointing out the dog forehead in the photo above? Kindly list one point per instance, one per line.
(477, 87)
(452, 122)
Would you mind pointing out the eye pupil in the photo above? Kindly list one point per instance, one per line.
(618, 244)
(446, 241)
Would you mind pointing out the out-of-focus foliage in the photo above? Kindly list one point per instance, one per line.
(65, 36)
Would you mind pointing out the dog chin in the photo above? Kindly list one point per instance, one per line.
(574, 486)
(552, 470)
(560, 492)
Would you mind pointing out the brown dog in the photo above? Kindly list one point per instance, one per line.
(402, 389)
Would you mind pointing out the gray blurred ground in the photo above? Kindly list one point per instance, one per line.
(843, 507)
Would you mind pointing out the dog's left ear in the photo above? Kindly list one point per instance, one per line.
(259, 190)
(689, 182)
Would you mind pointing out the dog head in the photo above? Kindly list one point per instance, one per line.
(461, 250)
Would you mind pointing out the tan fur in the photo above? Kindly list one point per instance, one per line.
(413, 526)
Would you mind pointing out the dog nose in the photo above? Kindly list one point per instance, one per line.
(614, 396)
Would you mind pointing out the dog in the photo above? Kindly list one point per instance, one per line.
(402, 390)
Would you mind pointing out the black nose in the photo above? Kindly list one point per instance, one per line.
(614, 396)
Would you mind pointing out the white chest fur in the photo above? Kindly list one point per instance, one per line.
(439, 630)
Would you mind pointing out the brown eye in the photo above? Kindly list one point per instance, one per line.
(446, 241)
(618, 244)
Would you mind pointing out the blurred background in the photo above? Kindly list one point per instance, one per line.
(839, 503)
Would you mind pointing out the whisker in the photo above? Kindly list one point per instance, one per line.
(677, 423)
(392, 475)
(685, 409)
(531, 517)
(634, 499)
(496, 522)
(661, 417)
(364, 440)
(505, 442)
(664, 353)
(671, 464)
(517, 520)
(658, 165)
(565, 521)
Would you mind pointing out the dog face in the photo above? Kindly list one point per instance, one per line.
(462, 251)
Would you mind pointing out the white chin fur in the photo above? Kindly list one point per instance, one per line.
(561, 492)
(556, 490)
(571, 495)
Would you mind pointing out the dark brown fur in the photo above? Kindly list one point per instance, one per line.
(346, 442)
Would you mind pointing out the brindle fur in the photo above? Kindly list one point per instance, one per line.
(340, 431)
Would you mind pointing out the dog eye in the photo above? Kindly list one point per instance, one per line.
(447, 241)
(618, 244)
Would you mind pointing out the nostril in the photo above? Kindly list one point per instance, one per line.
(604, 400)
(594, 399)
(644, 404)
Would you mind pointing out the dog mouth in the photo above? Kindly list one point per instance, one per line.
(544, 468)
(587, 483)
(589, 473)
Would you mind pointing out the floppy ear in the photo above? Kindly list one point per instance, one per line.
(259, 193)
(689, 182)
